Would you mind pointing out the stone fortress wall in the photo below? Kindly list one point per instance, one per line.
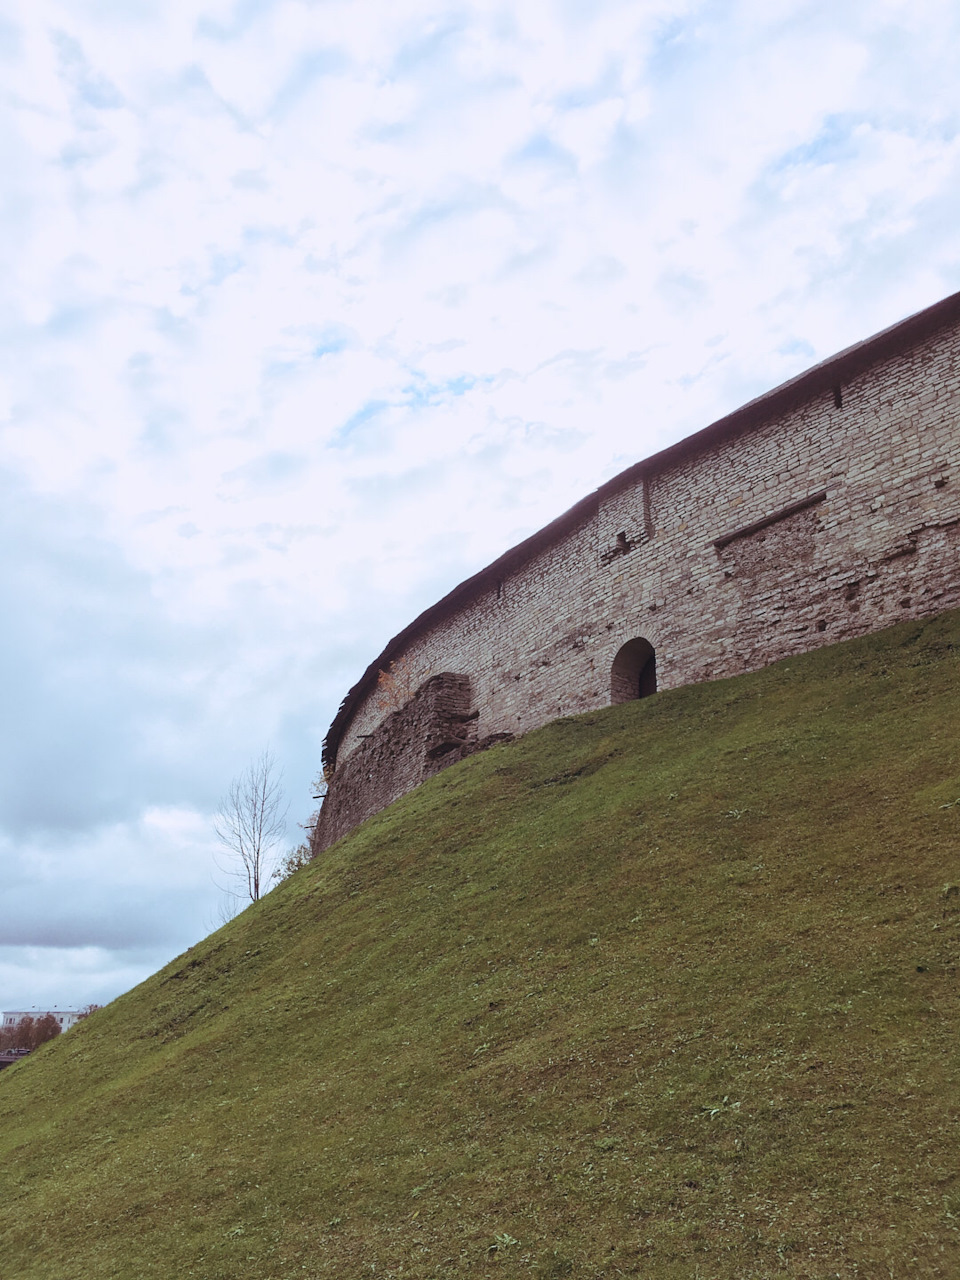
(828, 508)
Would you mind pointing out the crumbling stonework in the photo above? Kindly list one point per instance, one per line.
(434, 729)
(824, 510)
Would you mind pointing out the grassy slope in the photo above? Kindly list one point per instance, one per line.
(667, 990)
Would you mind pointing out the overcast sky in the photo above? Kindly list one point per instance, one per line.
(311, 309)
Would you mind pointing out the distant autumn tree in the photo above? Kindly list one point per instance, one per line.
(250, 824)
(44, 1029)
(30, 1032)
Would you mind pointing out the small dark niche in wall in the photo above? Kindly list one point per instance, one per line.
(621, 547)
(634, 671)
(838, 397)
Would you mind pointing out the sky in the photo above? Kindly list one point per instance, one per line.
(311, 309)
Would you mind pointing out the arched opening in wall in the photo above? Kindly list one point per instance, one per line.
(634, 672)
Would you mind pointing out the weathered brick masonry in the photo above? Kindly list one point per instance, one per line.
(435, 728)
(828, 508)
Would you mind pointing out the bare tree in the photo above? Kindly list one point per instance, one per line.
(250, 824)
(10, 1036)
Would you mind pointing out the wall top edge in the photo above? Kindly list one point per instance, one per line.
(828, 374)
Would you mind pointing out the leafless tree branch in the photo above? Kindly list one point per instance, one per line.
(250, 824)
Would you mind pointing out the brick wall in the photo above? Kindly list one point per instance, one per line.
(435, 728)
(831, 518)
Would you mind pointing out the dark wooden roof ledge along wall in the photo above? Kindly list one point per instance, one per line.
(829, 375)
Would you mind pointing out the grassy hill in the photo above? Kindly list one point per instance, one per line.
(669, 990)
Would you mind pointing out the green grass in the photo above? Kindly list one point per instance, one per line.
(668, 990)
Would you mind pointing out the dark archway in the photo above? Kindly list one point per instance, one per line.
(634, 672)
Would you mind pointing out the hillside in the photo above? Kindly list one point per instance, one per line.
(668, 990)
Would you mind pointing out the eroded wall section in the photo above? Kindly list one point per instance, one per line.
(837, 516)
(434, 729)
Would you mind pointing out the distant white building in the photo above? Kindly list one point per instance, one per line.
(66, 1017)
